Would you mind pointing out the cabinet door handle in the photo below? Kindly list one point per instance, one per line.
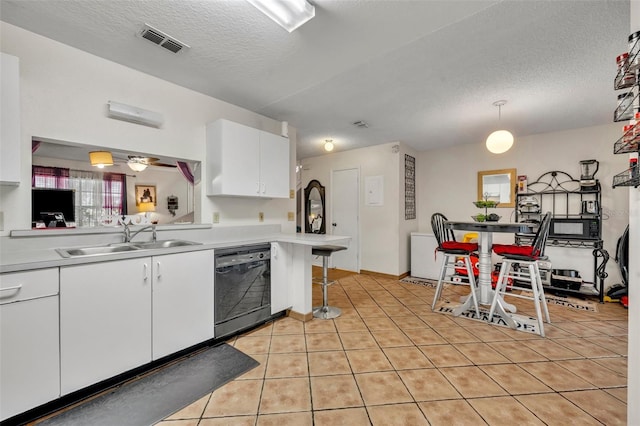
(17, 287)
(257, 187)
(158, 270)
(264, 187)
(146, 272)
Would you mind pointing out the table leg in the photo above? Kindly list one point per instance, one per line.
(485, 292)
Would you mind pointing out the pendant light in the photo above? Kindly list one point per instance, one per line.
(100, 159)
(328, 145)
(499, 141)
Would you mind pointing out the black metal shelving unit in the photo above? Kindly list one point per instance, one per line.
(630, 141)
(562, 195)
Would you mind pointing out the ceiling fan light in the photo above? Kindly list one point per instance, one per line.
(499, 141)
(288, 14)
(328, 145)
(100, 159)
(136, 166)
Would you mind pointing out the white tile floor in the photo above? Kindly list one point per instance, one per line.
(389, 360)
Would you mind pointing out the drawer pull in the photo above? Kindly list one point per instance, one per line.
(17, 287)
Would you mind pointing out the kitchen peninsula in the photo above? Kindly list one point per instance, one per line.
(37, 293)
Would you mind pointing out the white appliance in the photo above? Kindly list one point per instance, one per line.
(425, 261)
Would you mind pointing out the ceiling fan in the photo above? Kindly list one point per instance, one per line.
(139, 163)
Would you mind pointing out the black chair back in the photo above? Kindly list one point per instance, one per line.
(540, 239)
(441, 232)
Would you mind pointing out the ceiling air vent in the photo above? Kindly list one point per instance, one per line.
(361, 124)
(161, 39)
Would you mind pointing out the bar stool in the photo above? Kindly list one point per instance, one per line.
(325, 311)
(452, 251)
(520, 264)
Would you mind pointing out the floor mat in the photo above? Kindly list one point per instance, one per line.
(524, 323)
(421, 281)
(568, 301)
(153, 397)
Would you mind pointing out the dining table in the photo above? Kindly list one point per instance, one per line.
(485, 293)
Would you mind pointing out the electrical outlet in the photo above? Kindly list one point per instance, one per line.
(290, 216)
(216, 217)
(261, 217)
(292, 194)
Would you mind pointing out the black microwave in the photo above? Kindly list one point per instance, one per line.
(574, 229)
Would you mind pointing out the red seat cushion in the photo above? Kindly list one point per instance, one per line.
(507, 249)
(454, 245)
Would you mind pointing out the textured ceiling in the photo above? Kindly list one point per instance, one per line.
(422, 72)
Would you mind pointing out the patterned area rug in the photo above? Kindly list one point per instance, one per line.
(421, 281)
(523, 322)
(568, 302)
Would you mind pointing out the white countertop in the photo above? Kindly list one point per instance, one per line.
(28, 259)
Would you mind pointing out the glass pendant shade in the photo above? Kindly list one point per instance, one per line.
(136, 166)
(499, 141)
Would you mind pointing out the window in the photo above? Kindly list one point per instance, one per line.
(97, 194)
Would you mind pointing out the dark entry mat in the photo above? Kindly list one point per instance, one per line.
(157, 395)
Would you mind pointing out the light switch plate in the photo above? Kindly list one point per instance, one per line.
(261, 217)
(290, 216)
(292, 194)
(216, 217)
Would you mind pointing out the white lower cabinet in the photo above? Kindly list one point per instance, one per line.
(105, 320)
(281, 261)
(182, 301)
(29, 340)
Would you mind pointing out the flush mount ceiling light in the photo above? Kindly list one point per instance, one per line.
(499, 141)
(137, 164)
(100, 159)
(289, 14)
(328, 145)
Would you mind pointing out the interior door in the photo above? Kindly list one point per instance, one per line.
(345, 201)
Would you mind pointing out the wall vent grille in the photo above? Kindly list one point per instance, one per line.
(162, 39)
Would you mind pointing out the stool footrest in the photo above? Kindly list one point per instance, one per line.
(320, 281)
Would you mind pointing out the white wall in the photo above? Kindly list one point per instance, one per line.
(63, 95)
(383, 241)
(448, 179)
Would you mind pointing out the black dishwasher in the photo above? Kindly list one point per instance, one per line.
(242, 289)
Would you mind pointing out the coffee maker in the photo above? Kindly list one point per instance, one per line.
(588, 170)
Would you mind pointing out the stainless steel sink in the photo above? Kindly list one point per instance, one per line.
(163, 244)
(122, 247)
(92, 251)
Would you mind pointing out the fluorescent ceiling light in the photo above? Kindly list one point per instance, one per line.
(289, 14)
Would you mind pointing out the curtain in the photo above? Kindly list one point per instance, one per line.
(114, 194)
(88, 186)
(186, 171)
(49, 177)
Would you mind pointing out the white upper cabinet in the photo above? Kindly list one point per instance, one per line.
(246, 162)
(9, 120)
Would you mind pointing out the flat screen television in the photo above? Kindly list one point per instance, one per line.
(47, 204)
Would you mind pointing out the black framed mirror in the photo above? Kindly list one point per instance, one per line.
(314, 212)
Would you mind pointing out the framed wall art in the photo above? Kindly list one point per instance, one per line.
(146, 194)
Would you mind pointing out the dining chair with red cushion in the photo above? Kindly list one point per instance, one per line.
(520, 264)
(453, 251)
